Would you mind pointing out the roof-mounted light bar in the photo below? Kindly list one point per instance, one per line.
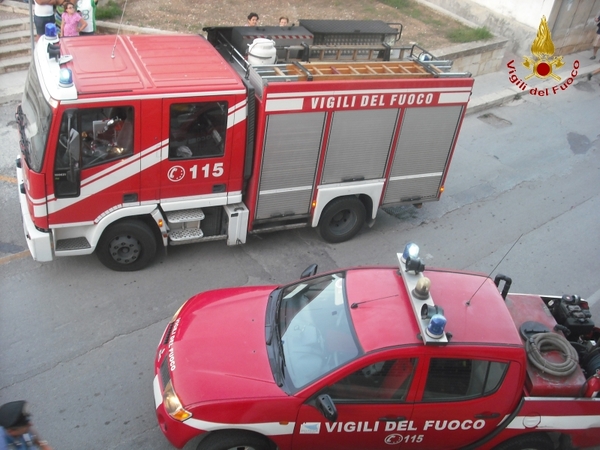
(429, 317)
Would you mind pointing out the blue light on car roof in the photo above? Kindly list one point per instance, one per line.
(65, 78)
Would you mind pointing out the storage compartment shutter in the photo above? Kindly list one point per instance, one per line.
(359, 145)
(422, 152)
(290, 156)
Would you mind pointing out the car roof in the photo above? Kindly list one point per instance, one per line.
(383, 314)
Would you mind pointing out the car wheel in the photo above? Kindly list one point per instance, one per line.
(536, 441)
(342, 219)
(127, 246)
(234, 440)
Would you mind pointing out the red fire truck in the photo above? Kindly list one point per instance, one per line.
(131, 143)
(380, 358)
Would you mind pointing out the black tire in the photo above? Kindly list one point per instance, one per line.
(234, 440)
(535, 441)
(127, 246)
(342, 219)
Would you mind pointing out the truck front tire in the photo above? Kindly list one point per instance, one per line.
(342, 218)
(127, 246)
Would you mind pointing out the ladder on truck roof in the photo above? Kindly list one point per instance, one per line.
(336, 70)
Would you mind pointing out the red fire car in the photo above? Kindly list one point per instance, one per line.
(363, 358)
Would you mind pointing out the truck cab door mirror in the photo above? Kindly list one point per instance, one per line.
(326, 406)
(309, 271)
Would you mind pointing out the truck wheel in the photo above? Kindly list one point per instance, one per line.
(538, 441)
(342, 219)
(126, 246)
(236, 440)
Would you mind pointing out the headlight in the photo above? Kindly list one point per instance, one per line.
(173, 405)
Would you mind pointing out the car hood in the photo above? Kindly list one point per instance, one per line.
(218, 348)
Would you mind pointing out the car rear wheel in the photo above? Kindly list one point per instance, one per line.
(538, 441)
(234, 440)
(342, 219)
(127, 246)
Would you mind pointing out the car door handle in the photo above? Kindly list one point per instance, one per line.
(487, 415)
(392, 419)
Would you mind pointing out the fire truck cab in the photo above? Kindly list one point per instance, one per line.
(132, 143)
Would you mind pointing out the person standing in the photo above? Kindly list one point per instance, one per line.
(72, 22)
(596, 43)
(87, 9)
(43, 13)
(16, 430)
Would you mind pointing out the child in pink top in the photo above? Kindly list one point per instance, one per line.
(72, 22)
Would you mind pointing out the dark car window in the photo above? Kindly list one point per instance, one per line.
(456, 379)
(382, 381)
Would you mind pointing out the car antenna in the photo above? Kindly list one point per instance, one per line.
(118, 30)
(492, 271)
(355, 305)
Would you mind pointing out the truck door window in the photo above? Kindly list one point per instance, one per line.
(457, 379)
(197, 130)
(92, 136)
(382, 381)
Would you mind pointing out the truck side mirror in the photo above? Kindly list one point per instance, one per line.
(309, 271)
(326, 406)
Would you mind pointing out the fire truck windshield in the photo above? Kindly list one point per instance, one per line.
(315, 329)
(36, 117)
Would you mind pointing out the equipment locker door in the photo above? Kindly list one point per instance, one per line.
(422, 154)
(195, 163)
(289, 164)
(359, 145)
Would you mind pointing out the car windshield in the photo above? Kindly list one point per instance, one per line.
(315, 330)
(37, 115)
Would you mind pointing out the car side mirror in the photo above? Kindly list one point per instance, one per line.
(309, 271)
(326, 406)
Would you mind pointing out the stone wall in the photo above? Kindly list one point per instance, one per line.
(479, 57)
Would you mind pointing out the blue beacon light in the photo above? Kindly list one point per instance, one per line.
(436, 326)
(65, 78)
(51, 33)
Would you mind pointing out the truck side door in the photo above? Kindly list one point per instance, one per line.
(374, 410)
(96, 162)
(196, 160)
(464, 399)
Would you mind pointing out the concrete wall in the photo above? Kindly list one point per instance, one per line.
(526, 12)
(476, 57)
(571, 22)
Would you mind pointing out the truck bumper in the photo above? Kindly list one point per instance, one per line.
(39, 242)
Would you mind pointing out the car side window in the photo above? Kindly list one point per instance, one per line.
(457, 379)
(197, 130)
(379, 382)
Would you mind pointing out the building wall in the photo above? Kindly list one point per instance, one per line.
(526, 12)
(571, 22)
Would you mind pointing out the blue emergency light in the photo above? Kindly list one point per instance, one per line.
(436, 326)
(51, 33)
(65, 78)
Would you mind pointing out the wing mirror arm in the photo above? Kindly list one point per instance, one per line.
(326, 406)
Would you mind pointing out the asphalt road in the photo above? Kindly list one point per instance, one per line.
(78, 340)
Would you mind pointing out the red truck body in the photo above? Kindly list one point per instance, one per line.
(131, 143)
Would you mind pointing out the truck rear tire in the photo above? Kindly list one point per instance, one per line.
(535, 441)
(234, 440)
(127, 246)
(342, 218)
